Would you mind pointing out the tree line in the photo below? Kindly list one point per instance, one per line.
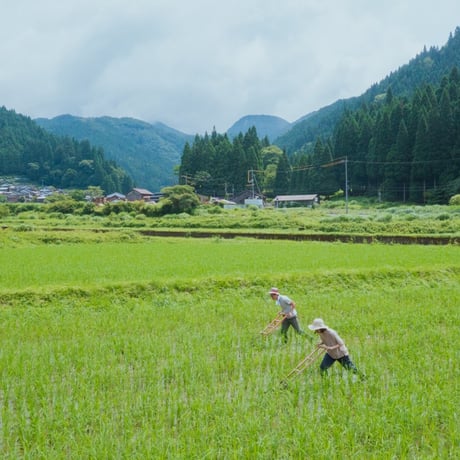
(404, 149)
(397, 148)
(215, 165)
(29, 151)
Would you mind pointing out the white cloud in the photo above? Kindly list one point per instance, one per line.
(196, 65)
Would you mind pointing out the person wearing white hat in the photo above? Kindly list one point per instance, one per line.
(334, 346)
(289, 312)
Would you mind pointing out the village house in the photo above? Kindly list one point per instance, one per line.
(140, 194)
(283, 201)
(115, 198)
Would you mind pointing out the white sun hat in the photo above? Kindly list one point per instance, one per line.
(318, 323)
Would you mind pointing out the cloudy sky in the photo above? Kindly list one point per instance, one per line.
(199, 64)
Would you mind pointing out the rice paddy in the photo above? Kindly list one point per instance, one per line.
(153, 350)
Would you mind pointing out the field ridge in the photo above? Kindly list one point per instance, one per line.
(324, 281)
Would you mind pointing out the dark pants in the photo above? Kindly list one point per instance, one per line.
(345, 361)
(287, 322)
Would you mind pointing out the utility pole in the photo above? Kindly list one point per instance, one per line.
(338, 162)
(251, 181)
(346, 185)
(188, 179)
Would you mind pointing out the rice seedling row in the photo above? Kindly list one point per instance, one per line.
(127, 367)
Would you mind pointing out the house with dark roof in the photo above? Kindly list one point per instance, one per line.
(139, 194)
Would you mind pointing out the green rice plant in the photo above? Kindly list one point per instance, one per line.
(153, 350)
(95, 264)
(187, 375)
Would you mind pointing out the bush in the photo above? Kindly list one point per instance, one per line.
(385, 218)
(24, 228)
(455, 200)
(64, 207)
(443, 216)
(178, 199)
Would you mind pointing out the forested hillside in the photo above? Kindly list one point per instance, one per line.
(403, 149)
(218, 166)
(29, 151)
(429, 66)
(148, 152)
(396, 148)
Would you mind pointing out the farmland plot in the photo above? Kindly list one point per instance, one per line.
(154, 351)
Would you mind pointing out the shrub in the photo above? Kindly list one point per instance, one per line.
(214, 209)
(455, 200)
(178, 199)
(63, 206)
(24, 228)
(443, 216)
(385, 218)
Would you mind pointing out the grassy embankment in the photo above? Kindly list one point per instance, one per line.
(329, 218)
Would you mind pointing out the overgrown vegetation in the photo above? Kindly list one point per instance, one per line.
(361, 217)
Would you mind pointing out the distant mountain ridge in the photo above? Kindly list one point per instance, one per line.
(266, 126)
(148, 152)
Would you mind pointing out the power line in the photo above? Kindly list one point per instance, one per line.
(341, 160)
(404, 162)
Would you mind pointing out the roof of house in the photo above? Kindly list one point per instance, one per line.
(116, 195)
(142, 191)
(296, 197)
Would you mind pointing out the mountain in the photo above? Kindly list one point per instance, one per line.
(266, 126)
(31, 152)
(148, 152)
(428, 67)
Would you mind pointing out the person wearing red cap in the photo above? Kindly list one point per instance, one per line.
(289, 312)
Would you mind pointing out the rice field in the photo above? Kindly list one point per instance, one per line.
(153, 350)
(173, 259)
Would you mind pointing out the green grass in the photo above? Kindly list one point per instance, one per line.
(152, 350)
(165, 260)
(330, 217)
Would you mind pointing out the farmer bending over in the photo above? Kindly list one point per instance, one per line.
(334, 346)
